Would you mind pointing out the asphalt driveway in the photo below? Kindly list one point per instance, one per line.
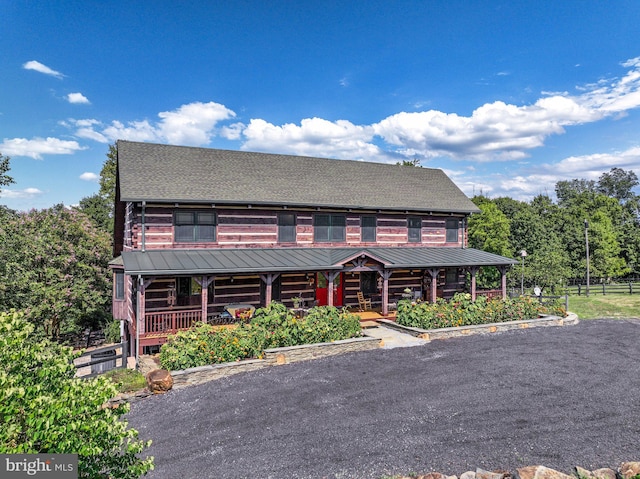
(555, 396)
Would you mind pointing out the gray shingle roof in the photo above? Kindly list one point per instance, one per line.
(252, 260)
(166, 173)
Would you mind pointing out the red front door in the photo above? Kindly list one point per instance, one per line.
(322, 288)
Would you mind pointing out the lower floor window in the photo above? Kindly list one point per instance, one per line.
(189, 292)
(368, 282)
(452, 275)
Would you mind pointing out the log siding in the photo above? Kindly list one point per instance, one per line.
(237, 227)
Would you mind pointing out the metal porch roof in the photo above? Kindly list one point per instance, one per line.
(255, 260)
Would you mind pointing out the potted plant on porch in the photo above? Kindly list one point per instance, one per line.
(297, 301)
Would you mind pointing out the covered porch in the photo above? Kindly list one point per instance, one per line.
(173, 289)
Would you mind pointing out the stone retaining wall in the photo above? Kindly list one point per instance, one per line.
(275, 356)
(305, 352)
(443, 333)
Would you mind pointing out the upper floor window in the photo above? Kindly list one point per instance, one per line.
(328, 228)
(452, 230)
(368, 228)
(414, 225)
(195, 226)
(119, 285)
(286, 228)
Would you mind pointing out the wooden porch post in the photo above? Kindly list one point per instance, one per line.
(473, 270)
(268, 281)
(503, 272)
(143, 284)
(433, 272)
(330, 277)
(204, 283)
(385, 290)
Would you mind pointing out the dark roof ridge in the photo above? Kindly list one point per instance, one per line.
(266, 153)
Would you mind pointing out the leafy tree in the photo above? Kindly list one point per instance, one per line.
(618, 184)
(5, 179)
(509, 206)
(100, 207)
(489, 231)
(53, 265)
(46, 410)
(415, 162)
(568, 190)
(548, 265)
(604, 248)
(108, 176)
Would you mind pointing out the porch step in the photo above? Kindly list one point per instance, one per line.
(390, 338)
(368, 324)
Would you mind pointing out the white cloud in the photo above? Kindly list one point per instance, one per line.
(314, 137)
(134, 131)
(192, 124)
(91, 134)
(39, 67)
(37, 147)
(501, 131)
(542, 179)
(493, 131)
(232, 132)
(21, 194)
(592, 166)
(88, 176)
(77, 98)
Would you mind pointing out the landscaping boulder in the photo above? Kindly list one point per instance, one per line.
(603, 473)
(541, 472)
(629, 469)
(159, 381)
(482, 474)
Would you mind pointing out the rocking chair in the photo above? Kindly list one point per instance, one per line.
(363, 303)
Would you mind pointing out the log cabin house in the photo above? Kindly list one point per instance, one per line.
(198, 229)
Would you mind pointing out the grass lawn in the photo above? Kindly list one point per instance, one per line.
(607, 306)
(127, 380)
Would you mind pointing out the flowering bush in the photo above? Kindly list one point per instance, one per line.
(271, 327)
(461, 311)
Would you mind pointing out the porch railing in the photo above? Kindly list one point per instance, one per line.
(170, 321)
(490, 293)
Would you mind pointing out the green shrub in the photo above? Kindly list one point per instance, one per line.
(45, 409)
(461, 311)
(271, 327)
(112, 331)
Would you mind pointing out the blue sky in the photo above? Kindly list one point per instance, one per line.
(507, 97)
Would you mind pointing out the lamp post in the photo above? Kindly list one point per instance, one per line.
(586, 240)
(523, 253)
